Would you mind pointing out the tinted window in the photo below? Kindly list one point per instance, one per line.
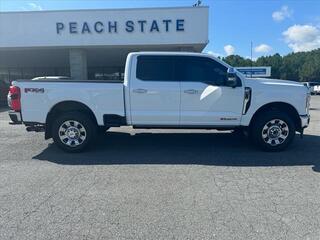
(155, 68)
(200, 69)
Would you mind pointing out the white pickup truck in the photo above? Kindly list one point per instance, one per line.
(163, 90)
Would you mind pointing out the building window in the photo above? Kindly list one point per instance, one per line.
(4, 85)
(106, 73)
(15, 73)
(10, 74)
(4, 76)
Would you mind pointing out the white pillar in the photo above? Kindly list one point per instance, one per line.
(78, 64)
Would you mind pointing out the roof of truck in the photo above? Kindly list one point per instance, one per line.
(180, 54)
(170, 53)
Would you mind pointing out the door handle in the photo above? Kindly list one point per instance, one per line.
(140, 90)
(191, 91)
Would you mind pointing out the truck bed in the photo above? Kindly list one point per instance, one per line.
(39, 97)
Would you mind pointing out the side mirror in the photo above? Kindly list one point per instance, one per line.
(231, 78)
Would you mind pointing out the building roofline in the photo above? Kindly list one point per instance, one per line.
(102, 9)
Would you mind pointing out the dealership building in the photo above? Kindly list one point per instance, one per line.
(93, 44)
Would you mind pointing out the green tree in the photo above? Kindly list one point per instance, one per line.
(275, 62)
(310, 70)
(301, 66)
(237, 61)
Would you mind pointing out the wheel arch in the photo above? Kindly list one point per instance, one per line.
(66, 106)
(281, 106)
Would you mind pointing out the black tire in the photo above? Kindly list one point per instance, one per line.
(264, 138)
(102, 130)
(85, 131)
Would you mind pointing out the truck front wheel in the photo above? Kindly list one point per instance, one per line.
(273, 130)
(73, 131)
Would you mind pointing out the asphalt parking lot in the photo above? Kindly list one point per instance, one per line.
(151, 184)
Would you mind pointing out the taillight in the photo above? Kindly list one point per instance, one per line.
(14, 97)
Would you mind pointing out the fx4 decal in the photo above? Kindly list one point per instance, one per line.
(34, 90)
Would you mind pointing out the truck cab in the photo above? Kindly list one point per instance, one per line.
(182, 90)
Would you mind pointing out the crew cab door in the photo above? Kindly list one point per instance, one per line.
(205, 98)
(154, 93)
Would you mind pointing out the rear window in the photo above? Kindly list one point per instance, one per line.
(155, 68)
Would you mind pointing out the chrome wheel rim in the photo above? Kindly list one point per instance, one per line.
(275, 132)
(72, 133)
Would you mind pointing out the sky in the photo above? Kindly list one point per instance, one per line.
(273, 26)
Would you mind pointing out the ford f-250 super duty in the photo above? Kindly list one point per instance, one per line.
(163, 90)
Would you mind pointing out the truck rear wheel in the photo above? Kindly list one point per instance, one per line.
(273, 130)
(73, 131)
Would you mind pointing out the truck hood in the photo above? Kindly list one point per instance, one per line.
(272, 82)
